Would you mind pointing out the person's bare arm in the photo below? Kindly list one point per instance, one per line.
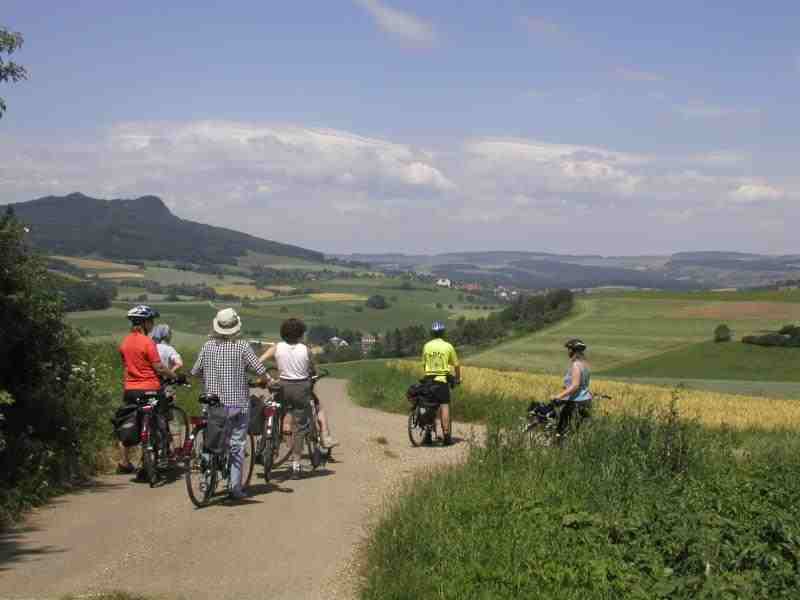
(269, 354)
(458, 373)
(163, 371)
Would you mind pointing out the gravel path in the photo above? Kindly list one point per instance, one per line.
(290, 539)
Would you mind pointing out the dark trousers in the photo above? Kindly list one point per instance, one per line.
(568, 412)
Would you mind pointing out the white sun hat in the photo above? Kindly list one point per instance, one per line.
(227, 322)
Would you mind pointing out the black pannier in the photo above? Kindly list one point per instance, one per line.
(126, 425)
(215, 430)
(421, 395)
(255, 424)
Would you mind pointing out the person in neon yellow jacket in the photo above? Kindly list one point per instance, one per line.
(438, 358)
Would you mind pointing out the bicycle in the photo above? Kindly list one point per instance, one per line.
(541, 423)
(274, 445)
(162, 443)
(202, 468)
(422, 418)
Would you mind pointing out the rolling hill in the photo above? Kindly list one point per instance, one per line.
(138, 229)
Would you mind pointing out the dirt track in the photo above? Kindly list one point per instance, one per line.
(290, 539)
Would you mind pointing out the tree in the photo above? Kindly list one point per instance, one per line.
(722, 333)
(10, 71)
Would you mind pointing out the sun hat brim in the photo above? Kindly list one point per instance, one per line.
(220, 330)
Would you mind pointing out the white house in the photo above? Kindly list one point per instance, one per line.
(444, 283)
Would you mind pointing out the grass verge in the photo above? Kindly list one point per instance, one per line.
(643, 505)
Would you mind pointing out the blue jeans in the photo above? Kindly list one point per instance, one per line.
(236, 420)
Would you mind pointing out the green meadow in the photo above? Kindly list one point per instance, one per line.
(631, 327)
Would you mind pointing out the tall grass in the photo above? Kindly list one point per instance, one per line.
(642, 504)
(383, 386)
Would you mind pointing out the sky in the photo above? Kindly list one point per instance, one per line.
(617, 128)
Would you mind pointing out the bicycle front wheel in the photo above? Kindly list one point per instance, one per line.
(200, 471)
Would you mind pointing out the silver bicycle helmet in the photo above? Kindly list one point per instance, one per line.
(142, 312)
(437, 327)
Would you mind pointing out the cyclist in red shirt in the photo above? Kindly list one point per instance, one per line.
(142, 366)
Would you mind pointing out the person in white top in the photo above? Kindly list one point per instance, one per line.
(162, 336)
(296, 365)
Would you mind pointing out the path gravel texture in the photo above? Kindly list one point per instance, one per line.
(290, 539)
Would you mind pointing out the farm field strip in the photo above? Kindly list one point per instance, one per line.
(622, 329)
(95, 264)
(709, 408)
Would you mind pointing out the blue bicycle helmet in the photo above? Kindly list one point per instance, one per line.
(437, 327)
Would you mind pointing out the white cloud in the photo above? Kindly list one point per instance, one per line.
(756, 192)
(400, 24)
(631, 74)
(339, 191)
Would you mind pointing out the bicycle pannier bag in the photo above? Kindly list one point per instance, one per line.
(126, 425)
(426, 412)
(256, 422)
(215, 431)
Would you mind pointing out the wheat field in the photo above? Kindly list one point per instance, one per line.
(709, 408)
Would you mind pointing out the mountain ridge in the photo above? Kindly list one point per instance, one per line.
(142, 228)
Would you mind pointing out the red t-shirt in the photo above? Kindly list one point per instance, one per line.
(139, 353)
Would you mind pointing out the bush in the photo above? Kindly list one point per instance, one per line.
(377, 302)
(722, 333)
(57, 420)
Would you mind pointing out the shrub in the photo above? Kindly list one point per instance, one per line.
(57, 419)
(377, 302)
(722, 333)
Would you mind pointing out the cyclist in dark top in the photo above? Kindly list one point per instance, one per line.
(142, 366)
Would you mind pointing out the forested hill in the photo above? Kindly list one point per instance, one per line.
(138, 229)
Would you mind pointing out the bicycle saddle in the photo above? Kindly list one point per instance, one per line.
(210, 399)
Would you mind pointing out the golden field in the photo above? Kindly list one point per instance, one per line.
(244, 291)
(709, 408)
(337, 297)
(94, 264)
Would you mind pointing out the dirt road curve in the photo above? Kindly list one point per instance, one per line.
(291, 539)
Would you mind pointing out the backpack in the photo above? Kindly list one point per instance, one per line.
(126, 425)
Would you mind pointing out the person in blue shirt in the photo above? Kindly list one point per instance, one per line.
(576, 388)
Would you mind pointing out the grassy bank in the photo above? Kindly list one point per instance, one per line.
(710, 360)
(383, 385)
(639, 505)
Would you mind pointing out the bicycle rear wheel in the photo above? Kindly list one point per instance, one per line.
(200, 471)
(284, 446)
(416, 432)
(248, 461)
